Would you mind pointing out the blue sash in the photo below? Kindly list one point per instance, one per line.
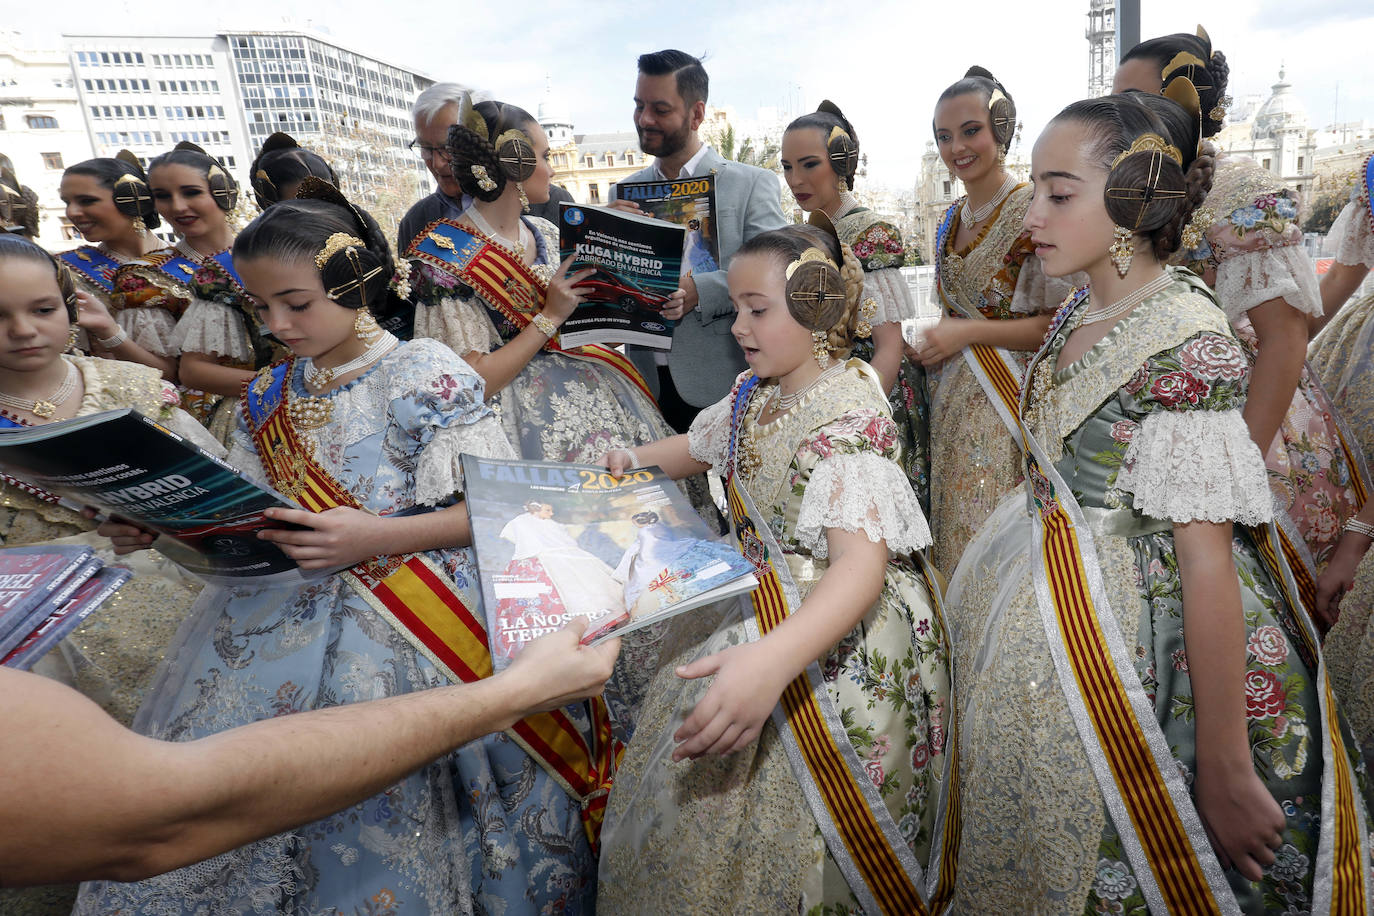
(179, 268)
(1369, 186)
(941, 236)
(225, 259)
(93, 264)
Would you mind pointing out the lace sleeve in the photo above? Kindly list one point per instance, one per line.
(887, 287)
(152, 329)
(214, 329)
(1037, 293)
(438, 413)
(438, 473)
(708, 438)
(1197, 465)
(1353, 232)
(1250, 278)
(861, 491)
(462, 324)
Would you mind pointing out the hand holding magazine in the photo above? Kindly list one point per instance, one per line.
(206, 513)
(554, 541)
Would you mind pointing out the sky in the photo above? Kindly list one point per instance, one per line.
(884, 65)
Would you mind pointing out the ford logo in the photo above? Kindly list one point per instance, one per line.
(652, 326)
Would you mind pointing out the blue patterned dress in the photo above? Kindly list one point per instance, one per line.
(481, 830)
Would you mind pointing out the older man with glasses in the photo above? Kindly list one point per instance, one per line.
(434, 112)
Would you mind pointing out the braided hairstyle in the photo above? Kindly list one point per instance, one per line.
(469, 150)
(127, 183)
(1001, 108)
(296, 231)
(1210, 78)
(787, 245)
(16, 246)
(1146, 191)
(842, 149)
(281, 163)
(1182, 128)
(223, 188)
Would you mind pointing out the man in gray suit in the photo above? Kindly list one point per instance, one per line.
(670, 104)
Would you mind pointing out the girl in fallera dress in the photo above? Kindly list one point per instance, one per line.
(555, 404)
(1245, 242)
(110, 203)
(110, 657)
(996, 304)
(220, 337)
(1137, 685)
(367, 431)
(820, 159)
(707, 803)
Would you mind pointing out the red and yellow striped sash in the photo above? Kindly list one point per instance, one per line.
(1157, 824)
(507, 283)
(868, 846)
(425, 606)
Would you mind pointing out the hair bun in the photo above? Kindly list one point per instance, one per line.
(983, 72)
(354, 280)
(1146, 189)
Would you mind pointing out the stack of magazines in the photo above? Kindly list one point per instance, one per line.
(45, 591)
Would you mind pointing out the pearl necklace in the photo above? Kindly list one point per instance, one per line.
(46, 407)
(1127, 302)
(322, 378)
(968, 216)
(781, 403)
(517, 246)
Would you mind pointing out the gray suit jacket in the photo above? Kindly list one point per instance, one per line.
(705, 358)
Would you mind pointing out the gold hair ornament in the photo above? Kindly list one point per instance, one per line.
(815, 290)
(516, 154)
(484, 179)
(1150, 143)
(333, 245)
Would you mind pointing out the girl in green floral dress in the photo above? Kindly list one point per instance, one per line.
(714, 804)
(1146, 723)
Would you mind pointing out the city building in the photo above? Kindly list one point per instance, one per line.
(1276, 134)
(937, 189)
(42, 130)
(1101, 35)
(586, 165)
(229, 91)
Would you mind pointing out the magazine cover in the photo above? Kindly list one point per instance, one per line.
(84, 599)
(557, 540)
(127, 466)
(689, 202)
(638, 262)
(29, 576)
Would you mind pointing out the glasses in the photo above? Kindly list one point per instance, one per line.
(429, 152)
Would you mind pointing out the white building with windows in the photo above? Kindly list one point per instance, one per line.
(229, 91)
(41, 129)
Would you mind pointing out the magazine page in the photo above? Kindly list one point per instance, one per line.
(689, 202)
(127, 466)
(638, 263)
(557, 540)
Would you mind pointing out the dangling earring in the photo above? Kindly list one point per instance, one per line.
(71, 337)
(844, 185)
(365, 326)
(524, 199)
(1001, 155)
(139, 226)
(820, 348)
(1122, 250)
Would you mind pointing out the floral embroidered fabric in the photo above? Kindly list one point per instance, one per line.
(484, 829)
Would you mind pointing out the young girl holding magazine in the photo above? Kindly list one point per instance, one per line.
(838, 659)
(365, 432)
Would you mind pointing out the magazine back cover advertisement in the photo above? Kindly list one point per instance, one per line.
(638, 264)
(126, 465)
(557, 540)
(28, 577)
(689, 202)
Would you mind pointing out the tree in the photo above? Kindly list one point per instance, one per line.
(1324, 210)
(762, 153)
